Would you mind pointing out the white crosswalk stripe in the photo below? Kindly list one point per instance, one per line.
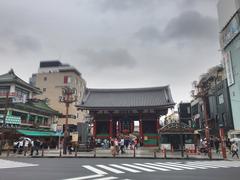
(207, 165)
(5, 164)
(111, 169)
(152, 167)
(140, 168)
(179, 166)
(164, 166)
(125, 168)
(95, 170)
(107, 178)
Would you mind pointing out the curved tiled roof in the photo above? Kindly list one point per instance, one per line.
(127, 98)
(11, 77)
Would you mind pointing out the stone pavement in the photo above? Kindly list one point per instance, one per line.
(105, 153)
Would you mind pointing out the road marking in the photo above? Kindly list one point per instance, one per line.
(205, 164)
(111, 169)
(179, 165)
(95, 170)
(125, 168)
(137, 167)
(85, 177)
(152, 167)
(164, 166)
(5, 164)
(107, 178)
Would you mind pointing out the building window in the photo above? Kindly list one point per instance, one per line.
(220, 99)
(44, 89)
(45, 78)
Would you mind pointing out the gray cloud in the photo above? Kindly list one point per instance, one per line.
(148, 34)
(27, 43)
(122, 4)
(188, 26)
(191, 25)
(108, 58)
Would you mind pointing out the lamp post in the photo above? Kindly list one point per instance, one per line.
(67, 98)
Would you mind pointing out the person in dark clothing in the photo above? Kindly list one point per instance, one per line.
(216, 144)
(228, 144)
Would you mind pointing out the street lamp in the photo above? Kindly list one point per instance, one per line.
(68, 97)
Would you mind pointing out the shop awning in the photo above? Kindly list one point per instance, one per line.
(38, 133)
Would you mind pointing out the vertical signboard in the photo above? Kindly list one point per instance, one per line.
(228, 67)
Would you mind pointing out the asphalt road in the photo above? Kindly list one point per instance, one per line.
(108, 168)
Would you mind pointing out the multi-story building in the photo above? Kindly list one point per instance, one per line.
(184, 111)
(229, 28)
(52, 76)
(212, 88)
(20, 112)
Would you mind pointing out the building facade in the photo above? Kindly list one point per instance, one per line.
(184, 111)
(229, 28)
(20, 112)
(52, 76)
(212, 88)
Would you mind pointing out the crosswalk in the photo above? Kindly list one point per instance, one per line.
(159, 166)
(5, 164)
(105, 172)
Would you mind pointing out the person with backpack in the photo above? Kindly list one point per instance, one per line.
(234, 149)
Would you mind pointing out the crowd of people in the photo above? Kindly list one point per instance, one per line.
(118, 144)
(27, 145)
(215, 144)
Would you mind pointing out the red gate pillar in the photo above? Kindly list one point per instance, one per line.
(141, 128)
(223, 145)
(157, 129)
(94, 128)
(110, 126)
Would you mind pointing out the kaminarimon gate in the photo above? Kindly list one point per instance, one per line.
(115, 110)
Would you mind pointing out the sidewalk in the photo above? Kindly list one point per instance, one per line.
(105, 153)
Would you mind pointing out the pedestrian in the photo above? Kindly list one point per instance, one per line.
(122, 145)
(25, 148)
(216, 144)
(228, 144)
(112, 148)
(234, 149)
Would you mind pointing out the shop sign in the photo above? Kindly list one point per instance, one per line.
(231, 30)
(228, 67)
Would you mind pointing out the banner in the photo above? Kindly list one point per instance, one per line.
(228, 67)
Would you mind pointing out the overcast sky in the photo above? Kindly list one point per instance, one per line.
(113, 43)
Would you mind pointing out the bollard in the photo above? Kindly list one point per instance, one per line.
(75, 151)
(155, 154)
(8, 151)
(165, 153)
(60, 153)
(134, 152)
(172, 150)
(25, 151)
(94, 155)
(42, 151)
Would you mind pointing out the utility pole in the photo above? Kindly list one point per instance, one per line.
(67, 98)
(204, 98)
